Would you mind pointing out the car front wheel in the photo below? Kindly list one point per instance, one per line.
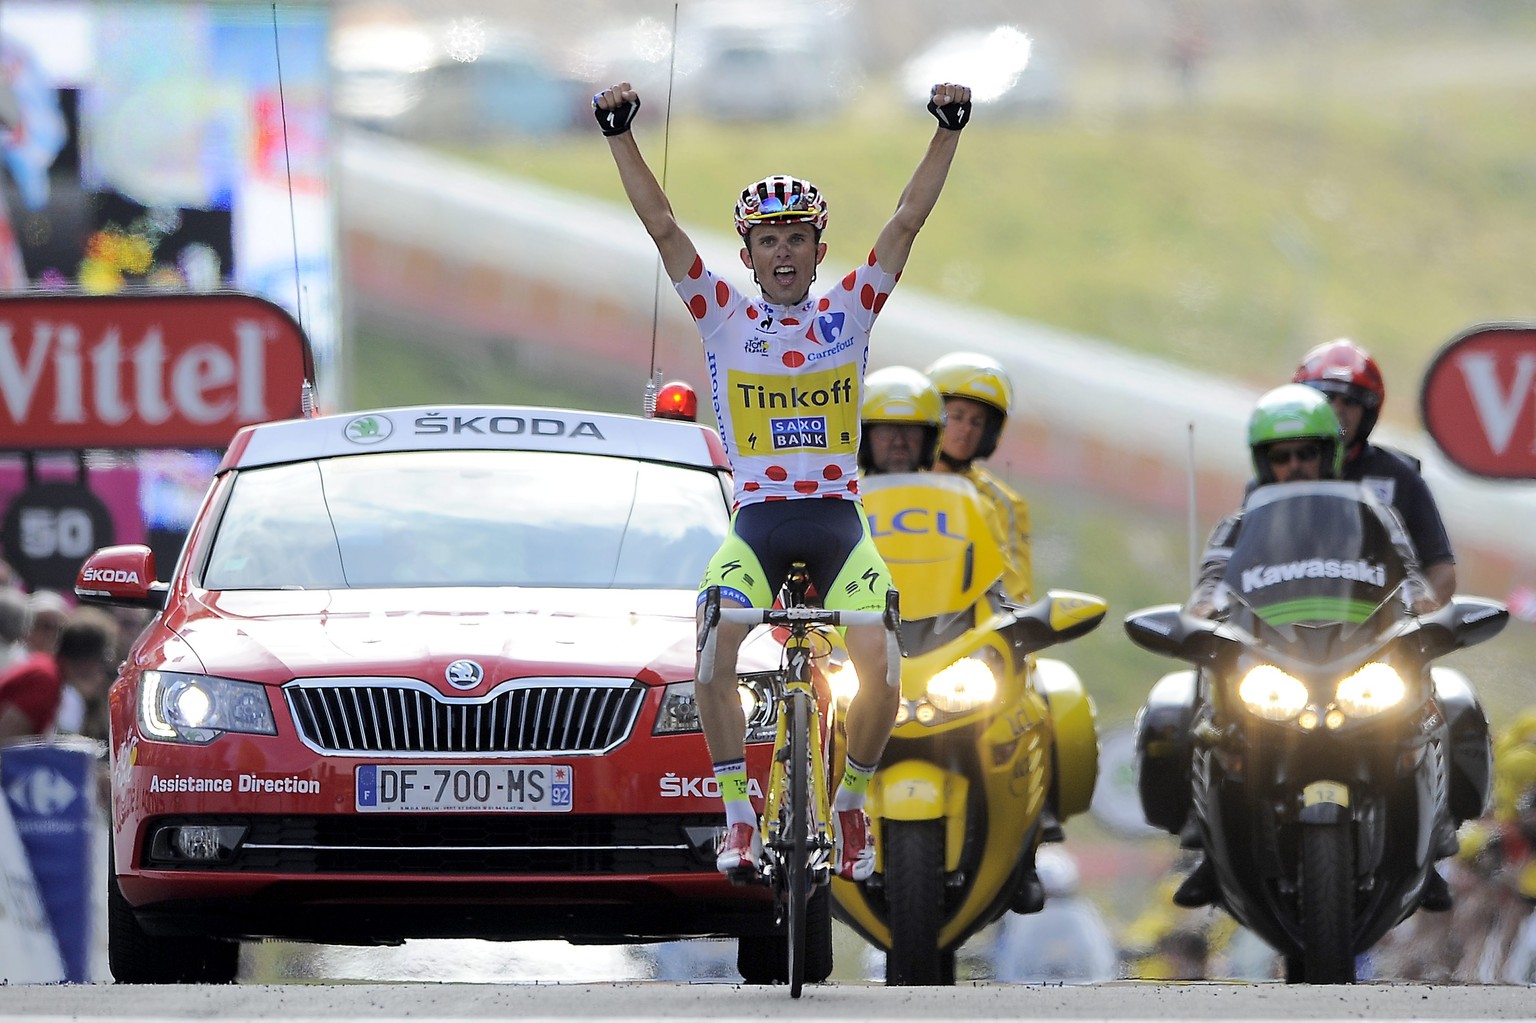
(137, 957)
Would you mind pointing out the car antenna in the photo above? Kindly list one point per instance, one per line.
(1194, 535)
(307, 405)
(653, 385)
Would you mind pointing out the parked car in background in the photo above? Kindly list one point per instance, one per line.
(728, 63)
(426, 672)
(461, 80)
(1010, 71)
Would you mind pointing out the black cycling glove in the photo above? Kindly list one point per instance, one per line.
(953, 116)
(616, 121)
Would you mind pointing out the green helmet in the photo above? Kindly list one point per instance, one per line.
(1295, 412)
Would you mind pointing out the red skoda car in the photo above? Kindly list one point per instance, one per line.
(426, 672)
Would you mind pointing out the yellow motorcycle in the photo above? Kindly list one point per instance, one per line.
(992, 748)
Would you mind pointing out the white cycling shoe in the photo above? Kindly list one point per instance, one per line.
(854, 844)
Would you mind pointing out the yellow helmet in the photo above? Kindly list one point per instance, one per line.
(970, 375)
(980, 378)
(900, 394)
(1514, 767)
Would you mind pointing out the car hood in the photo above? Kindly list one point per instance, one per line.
(275, 636)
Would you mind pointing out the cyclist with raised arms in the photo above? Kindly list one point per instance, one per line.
(786, 374)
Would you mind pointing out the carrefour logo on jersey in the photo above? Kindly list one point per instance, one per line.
(826, 328)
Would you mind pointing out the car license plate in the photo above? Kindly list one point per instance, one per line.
(516, 788)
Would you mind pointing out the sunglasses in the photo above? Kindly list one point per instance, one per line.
(1278, 456)
(773, 207)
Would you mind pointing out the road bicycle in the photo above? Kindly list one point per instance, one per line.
(796, 825)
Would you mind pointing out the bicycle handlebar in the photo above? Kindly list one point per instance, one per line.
(790, 615)
(712, 614)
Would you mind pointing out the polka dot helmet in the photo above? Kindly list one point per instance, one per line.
(780, 199)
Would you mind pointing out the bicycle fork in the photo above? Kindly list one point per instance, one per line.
(779, 818)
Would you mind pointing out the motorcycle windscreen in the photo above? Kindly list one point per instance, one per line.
(1316, 554)
(932, 531)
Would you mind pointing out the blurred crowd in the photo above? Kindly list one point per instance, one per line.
(57, 662)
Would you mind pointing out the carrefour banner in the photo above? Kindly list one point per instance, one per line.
(50, 792)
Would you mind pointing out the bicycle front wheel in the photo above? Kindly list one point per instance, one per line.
(797, 833)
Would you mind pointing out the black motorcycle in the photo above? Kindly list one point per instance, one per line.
(1322, 760)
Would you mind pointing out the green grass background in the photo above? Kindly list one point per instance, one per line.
(1383, 190)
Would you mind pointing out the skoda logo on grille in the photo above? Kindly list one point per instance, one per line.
(464, 674)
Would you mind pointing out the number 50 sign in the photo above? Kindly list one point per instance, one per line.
(50, 527)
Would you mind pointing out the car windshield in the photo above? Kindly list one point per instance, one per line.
(467, 518)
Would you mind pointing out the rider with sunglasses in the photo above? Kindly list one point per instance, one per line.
(1350, 378)
(1294, 436)
(786, 374)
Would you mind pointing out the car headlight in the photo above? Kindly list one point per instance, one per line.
(963, 686)
(177, 707)
(1272, 694)
(1374, 688)
(679, 712)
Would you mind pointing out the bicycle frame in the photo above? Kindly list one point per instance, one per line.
(796, 823)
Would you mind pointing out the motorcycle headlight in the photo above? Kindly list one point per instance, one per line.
(963, 686)
(1271, 693)
(1374, 688)
(679, 712)
(176, 707)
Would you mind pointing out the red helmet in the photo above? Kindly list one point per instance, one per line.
(1343, 367)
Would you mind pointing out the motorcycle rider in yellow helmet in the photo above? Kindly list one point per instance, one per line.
(902, 415)
(978, 396)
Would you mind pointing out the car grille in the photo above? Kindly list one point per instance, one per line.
(458, 844)
(405, 717)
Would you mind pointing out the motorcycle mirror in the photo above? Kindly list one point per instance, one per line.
(1460, 622)
(1165, 629)
(1059, 616)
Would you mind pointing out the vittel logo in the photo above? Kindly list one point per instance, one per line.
(113, 379)
(168, 370)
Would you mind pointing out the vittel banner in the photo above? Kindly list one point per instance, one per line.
(181, 371)
(1478, 400)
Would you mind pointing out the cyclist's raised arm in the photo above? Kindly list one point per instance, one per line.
(615, 108)
(951, 106)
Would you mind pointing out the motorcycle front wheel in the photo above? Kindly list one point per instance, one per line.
(914, 898)
(1327, 904)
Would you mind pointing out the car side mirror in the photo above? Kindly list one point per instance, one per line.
(123, 576)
